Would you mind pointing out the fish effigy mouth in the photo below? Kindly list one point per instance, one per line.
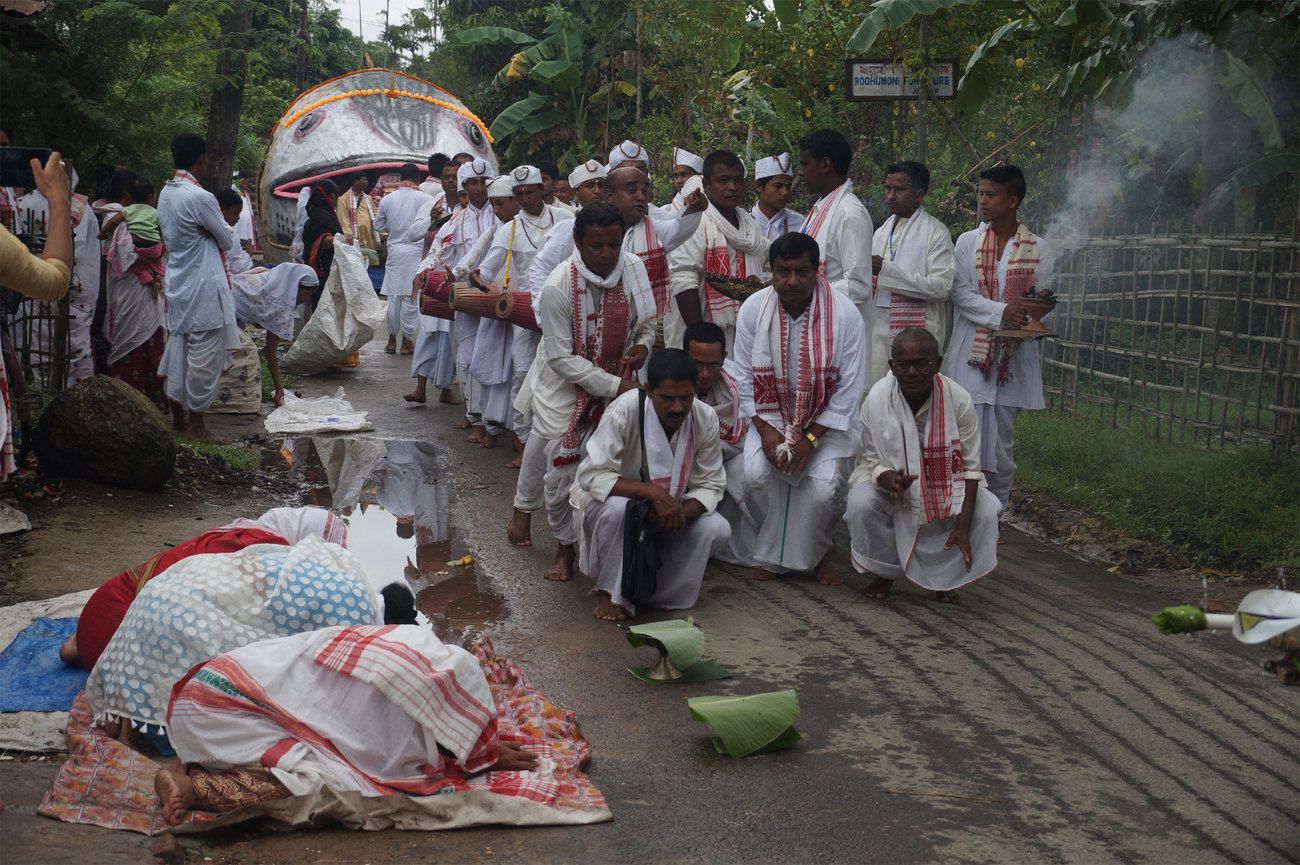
(290, 188)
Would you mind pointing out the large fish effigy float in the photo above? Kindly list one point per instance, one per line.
(370, 120)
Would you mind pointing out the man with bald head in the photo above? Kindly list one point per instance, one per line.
(918, 506)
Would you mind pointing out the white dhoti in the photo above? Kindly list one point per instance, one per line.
(683, 554)
(884, 536)
(796, 518)
(556, 486)
(491, 368)
(530, 487)
(997, 437)
(192, 364)
(466, 327)
(433, 358)
(403, 317)
(738, 550)
(523, 350)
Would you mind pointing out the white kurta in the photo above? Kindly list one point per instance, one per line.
(782, 222)
(244, 227)
(688, 263)
(405, 214)
(744, 530)
(1024, 390)
(202, 332)
(614, 452)
(885, 534)
(918, 263)
(844, 236)
(468, 231)
(796, 514)
(552, 385)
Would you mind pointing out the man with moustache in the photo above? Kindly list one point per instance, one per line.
(661, 445)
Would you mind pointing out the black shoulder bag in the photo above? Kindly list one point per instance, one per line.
(640, 552)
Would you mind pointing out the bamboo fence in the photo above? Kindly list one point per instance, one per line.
(1182, 336)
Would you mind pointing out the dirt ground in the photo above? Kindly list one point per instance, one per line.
(1042, 720)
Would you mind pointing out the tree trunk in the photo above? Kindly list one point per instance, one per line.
(228, 96)
(300, 68)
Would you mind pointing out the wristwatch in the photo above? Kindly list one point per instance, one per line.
(813, 440)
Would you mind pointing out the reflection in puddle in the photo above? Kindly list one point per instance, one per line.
(397, 499)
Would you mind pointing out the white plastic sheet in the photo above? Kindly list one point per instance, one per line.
(322, 414)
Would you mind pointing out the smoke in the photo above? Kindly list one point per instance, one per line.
(1136, 152)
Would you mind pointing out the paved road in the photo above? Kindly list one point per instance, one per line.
(1042, 720)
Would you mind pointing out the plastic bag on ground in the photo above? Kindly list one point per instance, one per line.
(322, 414)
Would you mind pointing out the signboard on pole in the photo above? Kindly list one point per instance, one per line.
(870, 80)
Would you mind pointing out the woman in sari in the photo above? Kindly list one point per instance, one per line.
(107, 607)
(363, 710)
(318, 233)
(207, 605)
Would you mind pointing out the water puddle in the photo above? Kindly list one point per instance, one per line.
(397, 499)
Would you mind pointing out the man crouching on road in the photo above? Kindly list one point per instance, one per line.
(679, 470)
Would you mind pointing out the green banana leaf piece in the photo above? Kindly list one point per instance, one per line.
(756, 724)
(1180, 620)
(683, 642)
(700, 671)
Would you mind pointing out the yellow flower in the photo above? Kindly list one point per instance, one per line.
(811, 52)
(830, 87)
(1037, 88)
(990, 136)
(1020, 63)
(1033, 143)
(808, 114)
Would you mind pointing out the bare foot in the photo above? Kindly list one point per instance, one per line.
(175, 793)
(476, 435)
(487, 440)
(518, 444)
(827, 574)
(520, 530)
(879, 589)
(762, 575)
(947, 597)
(463, 423)
(608, 611)
(416, 396)
(408, 347)
(561, 570)
(515, 463)
(449, 398)
(514, 759)
(391, 348)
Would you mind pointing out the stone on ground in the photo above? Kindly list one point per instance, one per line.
(107, 431)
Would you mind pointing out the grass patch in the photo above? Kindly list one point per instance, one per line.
(236, 457)
(1237, 508)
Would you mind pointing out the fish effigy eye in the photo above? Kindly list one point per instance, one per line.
(475, 134)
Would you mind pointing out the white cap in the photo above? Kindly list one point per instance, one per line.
(772, 166)
(690, 160)
(474, 168)
(629, 151)
(502, 187)
(526, 175)
(589, 170)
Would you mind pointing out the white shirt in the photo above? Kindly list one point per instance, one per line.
(614, 452)
(520, 239)
(840, 416)
(558, 369)
(197, 287)
(971, 309)
(783, 222)
(463, 230)
(85, 243)
(404, 214)
(244, 227)
(917, 255)
(671, 230)
(845, 242)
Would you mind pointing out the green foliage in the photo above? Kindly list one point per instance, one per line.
(1235, 508)
(235, 456)
(888, 14)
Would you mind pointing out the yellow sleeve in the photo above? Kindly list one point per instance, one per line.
(31, 275)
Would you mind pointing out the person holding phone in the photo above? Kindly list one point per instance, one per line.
(46, 277)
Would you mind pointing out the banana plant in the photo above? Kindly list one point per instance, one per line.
(577, 91)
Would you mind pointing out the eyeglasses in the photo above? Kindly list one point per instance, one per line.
(923, 365)
(709, 366)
